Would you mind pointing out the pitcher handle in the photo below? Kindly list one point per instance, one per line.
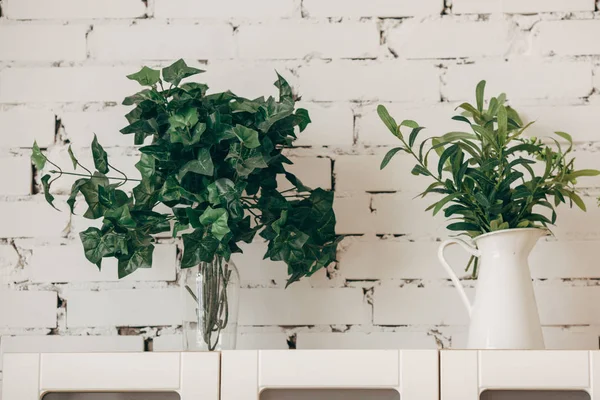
(471, 250)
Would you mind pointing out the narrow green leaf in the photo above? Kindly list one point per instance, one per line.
(577, 200)
(582, 172)
(413, 135)
(479, 91)
(440, 204)
(389, 155)
(72, 156)
(463, 226)
(388, 120)
(49, 197)
(38, 159)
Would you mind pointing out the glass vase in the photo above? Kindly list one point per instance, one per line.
(215, 292)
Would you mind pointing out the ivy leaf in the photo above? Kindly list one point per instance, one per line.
(96, 245)
(217, 219)
(285, 90)
(146, 76)
(177, 71)
(184, 119)
(203, 165)
(141, 258)
(170, 190)
(144, 95)
(120, 217)
(49, 197)
(38, 159)
(75, 189)
(73, 159)
(146, 166)
(222, 191)
(89, 189)
(248, 137)
(293, 179)
(303, 118)
(100, 156)
(197, 249)
(145, 194)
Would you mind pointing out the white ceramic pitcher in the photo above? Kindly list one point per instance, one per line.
(504, 314)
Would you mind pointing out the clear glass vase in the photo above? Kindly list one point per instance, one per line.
(215, 290)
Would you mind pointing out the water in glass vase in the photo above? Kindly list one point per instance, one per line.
(215, 294)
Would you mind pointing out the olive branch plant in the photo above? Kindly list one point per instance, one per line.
(213, 160)
(486, 173)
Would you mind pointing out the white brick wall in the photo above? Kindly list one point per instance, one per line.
(66, 60)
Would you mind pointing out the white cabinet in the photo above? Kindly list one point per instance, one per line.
(500, 374)
(329, 374)
(190, 375)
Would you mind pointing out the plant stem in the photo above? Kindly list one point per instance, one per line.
(92, 177)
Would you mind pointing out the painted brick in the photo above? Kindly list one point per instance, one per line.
(320, 40)
(70, 344)
(519, 79)
(575, 338)
(453, 39)
(302, 305)
(367, 341)
(362, 173)
(568, 38)
(437, 119)
(519, 6)
(254, 270)
(68, 264)
(152, 41)
(373, 258)
(81, 126)
(433, 306)
(353, 214)
(72, 9)
(9, 266)
(42, 43)
(403, 214)
(225, 75)
(345, 80)
(55, 85)
(554, 259)
(33, 218)
(27, 309)
(262, 341)
(19, 127)
(560, 304)
(16, 179)
(259, 9)
(576, 120)
(312, 171)
(376, 8)
(141, 307)
(332, 125)
(572, 223)
(585, 159)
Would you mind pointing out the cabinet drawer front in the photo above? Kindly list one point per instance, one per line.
(534, 369)
(323, 369)
(114, 371)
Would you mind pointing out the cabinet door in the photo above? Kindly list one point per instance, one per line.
(57, 376)
(329, 374)
(519, 375)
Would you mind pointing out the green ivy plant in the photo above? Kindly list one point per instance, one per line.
(213, 160)
(485, 174)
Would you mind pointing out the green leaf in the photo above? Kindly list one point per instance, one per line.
(463, 226)
(146, 166)
(502, 122)
(248, 137)
(222, 191)
(285, 90)
(72, 156)
(389, 155)
(75, 189)
(97, 245)
(141, 258)
(46, 184)
(409, 123)
(419, 170)
(440, 204)
(120, 217)
(89, 189)
(577, 200)
(582, 172)
(38, 159)
(146, 76)
(178, 71)
(413, 135)
(303, 118)
(217, 219)
(197, 249)
(565, 136)
(479, 91)
(203, 165)
(388, 120)
(100, 156)
(170, 190)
